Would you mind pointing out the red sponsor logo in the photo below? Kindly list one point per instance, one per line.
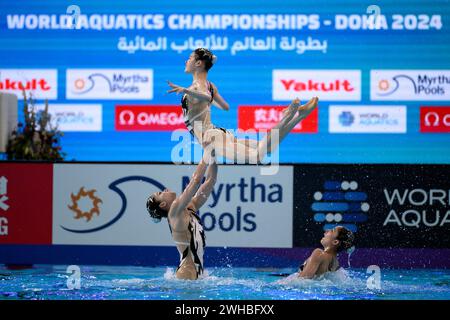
(26, 203)
(266, 117)
(311, 85)
(149, 118)
(434, 119)
(35, 84)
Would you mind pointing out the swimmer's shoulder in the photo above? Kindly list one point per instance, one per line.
(317, 252)
(319, 256)
(316, 257)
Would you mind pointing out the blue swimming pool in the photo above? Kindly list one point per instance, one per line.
(119, 282)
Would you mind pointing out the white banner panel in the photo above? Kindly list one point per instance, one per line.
(328, 85)
(410, 85)
(104, 204)
(367, 119)
(109, 84)
(40, 83)
(75, 117)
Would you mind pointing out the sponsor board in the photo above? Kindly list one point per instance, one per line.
(40, 83)
(109, 84)
(25, 203)
(367, 119)
(106, 205)
(75, 117)
(435, 119)
(149, 118)
(410, 85)
(401, 206)
(328, 85)
(266, 117)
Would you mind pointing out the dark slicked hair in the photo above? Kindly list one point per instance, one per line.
(205, 55)
(154, 209)
(345, 238)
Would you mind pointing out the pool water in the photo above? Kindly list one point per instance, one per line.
(119, 282)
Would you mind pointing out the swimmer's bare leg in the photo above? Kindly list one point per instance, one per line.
(252, 151)
(249, 143)
(266, 145)
(304, 111)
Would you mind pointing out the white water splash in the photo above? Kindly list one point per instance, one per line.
(126, 282)
(170, 274)
(338, 277)
(349, 253)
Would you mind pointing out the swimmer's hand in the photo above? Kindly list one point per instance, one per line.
(175, 88)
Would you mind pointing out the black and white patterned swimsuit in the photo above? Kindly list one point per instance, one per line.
(187, 120)
(197, 244)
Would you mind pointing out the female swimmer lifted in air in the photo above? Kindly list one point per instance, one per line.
(196, 103)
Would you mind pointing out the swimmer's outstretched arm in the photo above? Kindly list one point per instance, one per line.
(312, 264)
(183, 200)
(207, 187)
(195, 93)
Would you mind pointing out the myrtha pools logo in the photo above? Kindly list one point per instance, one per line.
(94, 208)
(109, 84)
(340, 204)
(86, 206)
(410, 85)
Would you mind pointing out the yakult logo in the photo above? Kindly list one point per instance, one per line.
(434, 119)
(149, 118)
(406, 208)
(311, 85)
(42, 84)
(34, 84)
(327, 84)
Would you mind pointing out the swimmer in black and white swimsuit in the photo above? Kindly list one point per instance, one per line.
(185, 225)
(193, 249)
(201, 94)
(322, 261)
(190, 120)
